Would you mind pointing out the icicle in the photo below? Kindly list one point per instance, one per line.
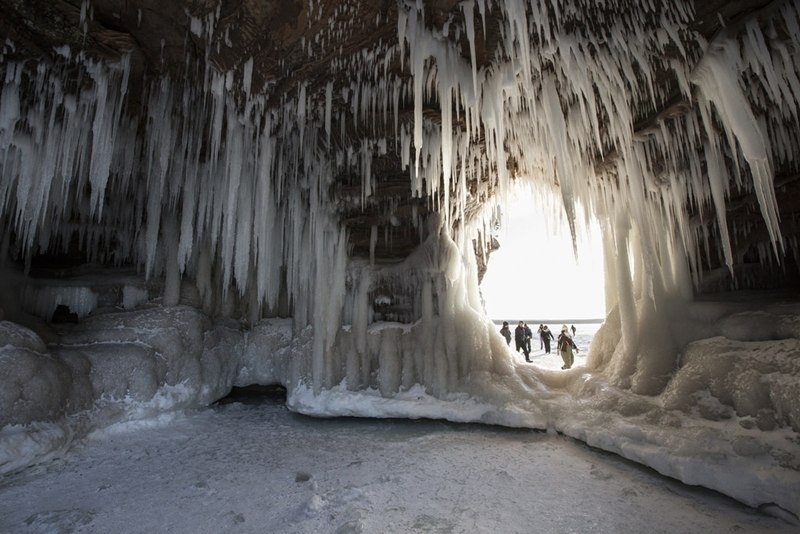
(301, 112)
(716, 179)
(328, 110)
(247, 76)
(373, 239)
(719, 85)
(469, 21)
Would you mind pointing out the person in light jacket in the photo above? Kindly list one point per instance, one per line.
(566, 347)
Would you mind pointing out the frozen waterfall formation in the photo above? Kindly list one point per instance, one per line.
(179, 176)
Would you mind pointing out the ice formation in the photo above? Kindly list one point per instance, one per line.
(221, 194)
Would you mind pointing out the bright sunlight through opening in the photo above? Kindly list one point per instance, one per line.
(535, 276)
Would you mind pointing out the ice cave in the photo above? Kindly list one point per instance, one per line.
(209, 194)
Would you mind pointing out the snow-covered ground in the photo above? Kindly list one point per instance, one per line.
(243, 467)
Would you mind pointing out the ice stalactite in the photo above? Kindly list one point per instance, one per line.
(215, 219)
(172, 275)
(719, 85)
(218, 186)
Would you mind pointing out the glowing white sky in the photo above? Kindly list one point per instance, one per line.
(534, 275)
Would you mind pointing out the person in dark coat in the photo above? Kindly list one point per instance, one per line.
(519, 340)
(528, 336)
(506, 332)
(546, 336)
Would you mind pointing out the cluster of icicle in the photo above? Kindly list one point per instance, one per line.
(216, 186)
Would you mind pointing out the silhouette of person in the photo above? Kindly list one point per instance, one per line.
(573, 330)
(546, 336)
(539, 333)
(528, 336)
(506, 332)
(519, 340)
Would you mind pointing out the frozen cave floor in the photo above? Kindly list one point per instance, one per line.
(254, 466)
(107, 378)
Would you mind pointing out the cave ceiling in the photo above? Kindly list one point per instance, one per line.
(277, 35)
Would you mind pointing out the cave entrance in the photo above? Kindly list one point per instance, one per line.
(535, 274)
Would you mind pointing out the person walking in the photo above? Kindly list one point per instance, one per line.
(539, 333)
(519, 340)
(528, 336)
(567, 348)
(506, 332)
(546, 336)
(573, 330)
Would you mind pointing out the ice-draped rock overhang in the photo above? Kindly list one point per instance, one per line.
(250, 149)
(337, 162)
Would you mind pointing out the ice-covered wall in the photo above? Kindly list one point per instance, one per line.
(229, 187)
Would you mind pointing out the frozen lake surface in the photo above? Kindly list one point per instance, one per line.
(251, 466)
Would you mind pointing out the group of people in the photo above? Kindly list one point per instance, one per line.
(523, 335)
